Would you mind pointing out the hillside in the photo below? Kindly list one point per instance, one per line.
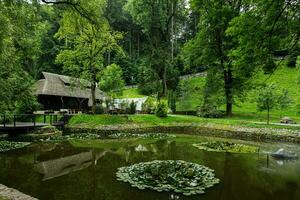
(192, 97)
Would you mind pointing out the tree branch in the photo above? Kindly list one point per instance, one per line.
(75, 5)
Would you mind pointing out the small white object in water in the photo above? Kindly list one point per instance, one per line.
(141, 148)
(279, 151)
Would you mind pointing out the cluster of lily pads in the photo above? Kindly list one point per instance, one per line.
(144, 135)
(79, 136)
(7, 145)
(169, 175)
(222, 146)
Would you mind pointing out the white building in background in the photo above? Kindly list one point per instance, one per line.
(138, 102)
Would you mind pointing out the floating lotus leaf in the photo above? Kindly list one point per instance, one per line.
(144, 135)
(219, 146)
(169, 175)
(7, 146)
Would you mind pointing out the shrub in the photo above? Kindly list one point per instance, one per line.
(99, 109)
(132, 108)
(172, 101)
(161, 109)
(209, 111)
(148, 106)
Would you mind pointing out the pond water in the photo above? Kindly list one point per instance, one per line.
(85, 170)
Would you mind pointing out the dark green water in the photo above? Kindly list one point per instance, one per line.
(80, 171)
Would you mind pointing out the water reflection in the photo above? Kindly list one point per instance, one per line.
(62, 171)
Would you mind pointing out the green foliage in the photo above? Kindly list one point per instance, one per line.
(111, 80)
(146, 135)
(209, 110)
(131, 93)
(155, 19)
(172, 101)
(132, 108)
(7, 146)
(268, 98)
(161, 109)
(149, 105)
(284, 100)
(230, 147)
(87, 44)
(99, 109)
(15, 82)
(170, 175)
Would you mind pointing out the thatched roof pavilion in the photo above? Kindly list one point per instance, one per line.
(55, 86)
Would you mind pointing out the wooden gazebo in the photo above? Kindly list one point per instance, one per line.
(57, 92)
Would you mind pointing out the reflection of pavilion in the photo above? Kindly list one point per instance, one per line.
(62, 166)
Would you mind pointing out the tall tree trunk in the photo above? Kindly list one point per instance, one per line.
(164, 81)
(268, 115)
(93, 89)
(138, 45)
(228, 91)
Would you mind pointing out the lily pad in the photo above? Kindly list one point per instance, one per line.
(169, 175)
(144, 135)
(7, 146)
(219, 146)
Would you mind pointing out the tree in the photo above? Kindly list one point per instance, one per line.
(262, 29)
(86, 44)
(157, 20)
(15, 82)
(266, 99)
(211, 47)
(111, 80)
(284, 101)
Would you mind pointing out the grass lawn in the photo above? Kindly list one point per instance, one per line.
(131, 93)
(92, 121)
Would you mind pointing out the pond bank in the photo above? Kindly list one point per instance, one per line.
(255, 134)
(13, 194)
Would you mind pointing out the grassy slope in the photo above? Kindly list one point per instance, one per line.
(193, 97)
(283, 77)
(131, 93)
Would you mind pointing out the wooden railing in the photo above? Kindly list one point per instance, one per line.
(31, 119)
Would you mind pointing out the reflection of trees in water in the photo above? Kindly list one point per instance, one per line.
(92, 173)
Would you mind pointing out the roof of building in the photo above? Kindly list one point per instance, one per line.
(59, 85)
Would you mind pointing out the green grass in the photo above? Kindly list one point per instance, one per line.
(193, 94)
(283, 78)
(131, 93)
(92, 121)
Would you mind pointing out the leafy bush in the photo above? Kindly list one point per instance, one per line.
(7, 146)
(99, 109)
(161, 109)
(172, 101)
(132, 108)
(209, 111)
(148, 106)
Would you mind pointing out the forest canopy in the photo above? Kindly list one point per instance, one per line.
(153, 43)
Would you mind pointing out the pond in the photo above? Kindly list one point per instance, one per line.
(85, 169)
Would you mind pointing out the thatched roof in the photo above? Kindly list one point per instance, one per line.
(65, 86)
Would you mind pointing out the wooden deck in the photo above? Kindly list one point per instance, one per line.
(18, 125)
